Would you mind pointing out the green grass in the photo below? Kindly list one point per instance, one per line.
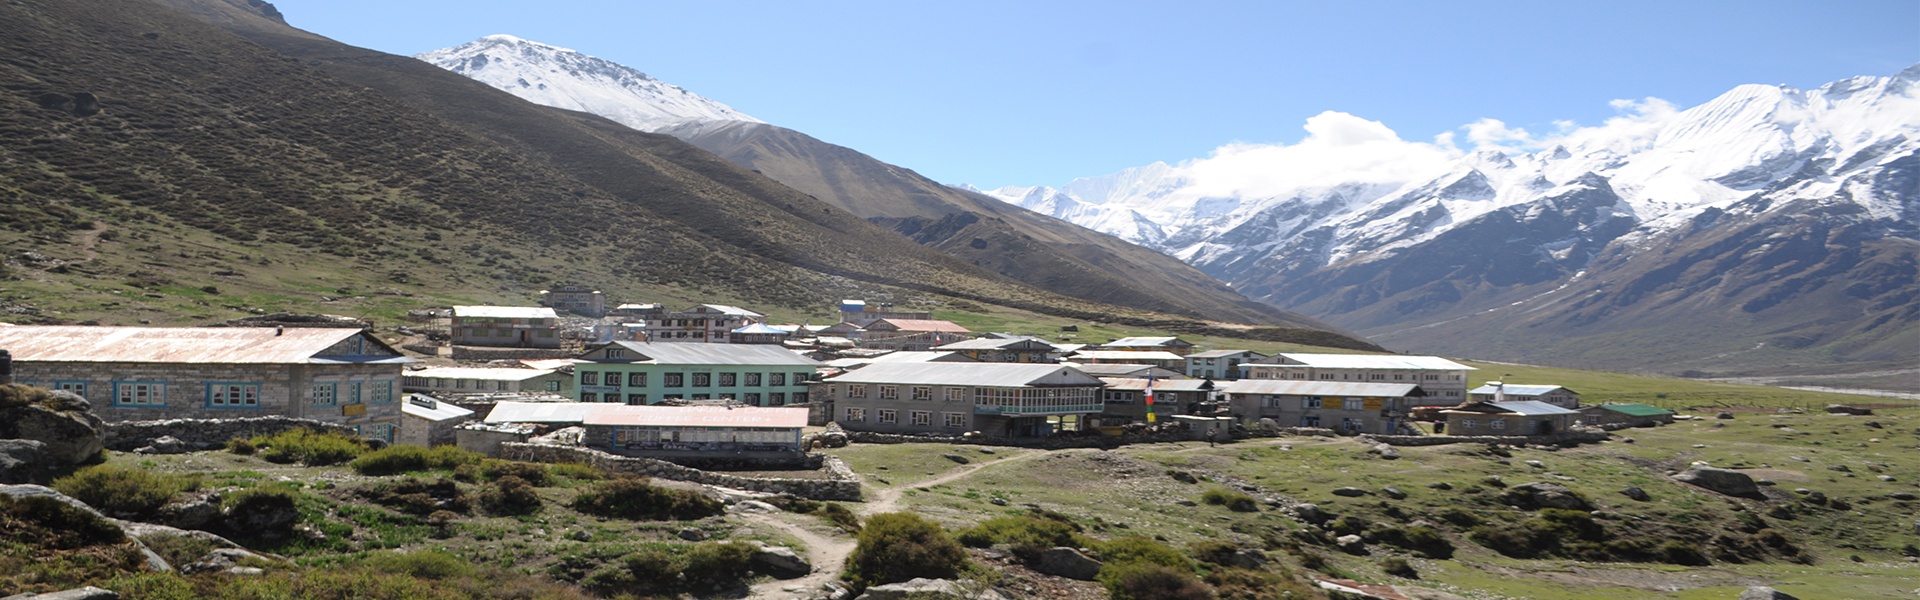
(1597, 387)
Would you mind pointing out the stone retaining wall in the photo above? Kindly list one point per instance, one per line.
(1567, 437)
(842, 484)
(490, 353)
(1046, 443)
(205, 434)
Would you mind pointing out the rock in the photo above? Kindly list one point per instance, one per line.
(1544, 495)
(1068, 563)
(1441, 486)
(267, 516)
(1186, 503)
(781, 562)
(154, 561)
(1840, 468)
(1182, 476)
(1761, 592)
(22, 461)
(922, 588)
(1248, 558)
(691, 534)
(580, 535)
(85, 593)
(1886, 478)
(190, 514)
(1385, 451)
(165, 444)
(1536, 464)
(1842, 409)
(755, 506)
(1636, 493)
(1799, 458)
(1349, 492)
(221, 559)
(1351, 544)
(956, 458)
(62, 421)
(1873, 424)
(1725, 481)
(1309, 513)
(997, 501)
(1393, 492)
(1723, 415)
(1902, 496)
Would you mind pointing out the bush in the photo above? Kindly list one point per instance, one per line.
(1246, 584)
(417, 497)
(262, 511)
(1233, 500)
(1214, 552)
(637, 498)
(495, 469)
(1399, 567)
(178, 550)
(719, 562)
(49, 523)
(1134, 549)
(896, 547)
(577, 471)
(653, 568)
(1421, 540)
(425, 564)
(1682, 553)
(840, 516)
(1029, 534)
(241, 446)
(309, 447)
(123, 492)
(394, 460)
(1147, 581)
(510, 496)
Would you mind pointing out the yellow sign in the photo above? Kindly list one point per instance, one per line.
(1372, 403)
(353, 410)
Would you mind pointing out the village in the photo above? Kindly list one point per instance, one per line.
(718, 387)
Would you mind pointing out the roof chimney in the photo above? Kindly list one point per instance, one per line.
(6, 367)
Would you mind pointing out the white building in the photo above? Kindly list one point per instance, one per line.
(1444, 381)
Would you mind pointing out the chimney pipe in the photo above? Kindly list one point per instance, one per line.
(6, 367)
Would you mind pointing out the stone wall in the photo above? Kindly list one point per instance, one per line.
(842, 484)
(1047, 443)
(205, 434)
(1569, 437)
(462, 352)
(486, 438)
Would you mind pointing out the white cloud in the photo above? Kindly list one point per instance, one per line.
(1494, 132)
(1339, 148)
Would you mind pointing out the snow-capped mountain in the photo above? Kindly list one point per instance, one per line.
(1766, 225)
(563, 78)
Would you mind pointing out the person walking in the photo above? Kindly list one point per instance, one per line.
(1211, 434)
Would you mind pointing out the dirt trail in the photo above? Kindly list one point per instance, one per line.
(888, 499)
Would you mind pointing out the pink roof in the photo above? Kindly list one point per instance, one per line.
(698, 416)
(252, 345)
(924, 325)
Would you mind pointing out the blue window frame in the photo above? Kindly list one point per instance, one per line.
(353, 393)
(76, 386)
(324, 393)
(233, 394)
(380, 392)
(139, 394)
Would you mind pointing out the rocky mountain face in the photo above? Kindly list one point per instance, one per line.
(1769, 228)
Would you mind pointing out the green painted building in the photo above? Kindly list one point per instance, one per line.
(648, 373)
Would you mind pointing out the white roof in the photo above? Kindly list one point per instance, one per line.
(1169, 385)
(967, 374)
(1519, 390)
(479, 373)
(1521, 407)
(1140, 341)
(1294, 387)
(541, 412)
(760, 329)
(1223, 353)
(994, 344)
(732, 310)
(431, 409)
(505, 312)
(782, 417)
(1156, 355)
(694, 353)
(1373, 361)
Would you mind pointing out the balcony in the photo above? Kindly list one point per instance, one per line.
(988, 409)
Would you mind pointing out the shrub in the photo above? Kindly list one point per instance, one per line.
(719, 562)
(577, 471)
(1459, 517)
(1233, 500)
(1147, 581)
(1247, 584)
(1029, 534)
(1419, 539)
(510, 496)
(425, 564)
(1398, 567)
(840, 516)
(394, 460)
(417, 497)
(1682, 553)
(241, 446)
(1214, 552)
(124, 492)
(50, 523)
(1133, 549)
(309, 447)
(896, 547)
(495, 469)
(637, 498)
(179, 550)
(653, 568)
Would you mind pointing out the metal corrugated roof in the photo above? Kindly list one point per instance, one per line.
(541, 412)
(1636, 410)
(1518, 390)
(965, 374)
(431, 409)
(758, 328)
(1156, 355)
(698, 416)
(990, 344)
(480, 373)
(1531, 408)
(1294, 387)
(1375, 361)
(1223, 353)
(504, 312)
(730, 310)
(1171, 385)
(922, 325)
(1141, 341)
(1121, 370)
(223, 345)
(695, 353)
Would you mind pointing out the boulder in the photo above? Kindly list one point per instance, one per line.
(1725, 481)
(1068, 563)
(1385, 451)
(1636, 493)
(165, 444)
(1723, 415)
(956, 458)
(781, 562)
(85, 593)
(190, 514)
(1349, 492)
(1842, 409)
(62, 421)
(1544, 495)
(1761, 592)
(1248, 558)
(1351, 544)
(922, 588)
(154, 561)
(221, 560)
(22, 461)
(1393, 492)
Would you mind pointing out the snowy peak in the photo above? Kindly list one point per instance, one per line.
(563, 78)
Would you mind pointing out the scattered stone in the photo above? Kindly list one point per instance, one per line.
(756, 506)
(1887, 478)
(692, 534)
(1761, 592)
(1636, 493)
(1627, 440)
(1723, 415)
(191, 514)
(1765, 482)
(85, 593)
(986, 451)
(1840, 468)
(997, 501)
(1385, 451)
(580, 535)
(1182, 476)
(1873, 424)
(1902, 496)
(165, 444)
(923, 588)
(781, 562)
(1699, 445)
(1842, 409)
(1799, 458)
(221, 559)
(1068, 563)
(1349, 492)
(1393, 492)
(956, 458)
(1725, 481)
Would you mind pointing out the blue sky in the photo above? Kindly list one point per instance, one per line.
(1023, 93)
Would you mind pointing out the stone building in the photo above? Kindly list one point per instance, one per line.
(425, 421)
(1495, 391)
(1508, 418)
(1444, 381)
(670, 432)
(1000, 400)
(457, 381)
(649, 373)
(576, 299)
(340, 376)
(709, 323)
(506, 326)
(1627, 415)
(1125, 398)
(1004, 350)
(1343, 406)
(1220, 364)
(910, 334)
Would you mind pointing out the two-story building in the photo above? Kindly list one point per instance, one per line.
(341, 376)
(709, 323)
(1444, 381)
(1508, 418)
(759, 333)
(649, 373)
(999, 400)
(1162, 359)
(506, 326)
(1004, 350)
(1125, 398)
(910, 334)
(675, 432)
(1343, 406)
(454, 381)
(1496, 391)
(576, 299)
(1220, 364)
(1150, 344)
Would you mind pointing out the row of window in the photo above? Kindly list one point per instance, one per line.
(480, 332)
(752, 398)
(1269, 374)
(334, 393)
(613, 379)
(892, 392)
(1318, 402)
(1491, 423)
(921, 418)
(225, 394)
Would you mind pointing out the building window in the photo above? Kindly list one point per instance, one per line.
(729, 379)
(324, 394)
(956, 420)
(673, 379)
(636, 399)
(957, 394)
(776, 379)
(1432, 377)
(702, 380)
(856, 414)
(703, 396)
(799, 397)
(1467, 424)
(1310, 402)
(800, 378)
(233, 395)
(77, 387)
(922, 418)
(856, 390)
(777, 399)
(753, 398)
(1353, 404)
(589, 397)
(1496, 423)
(378, 431)
(381, 392)
(1377, 376)
(636, 380)
(589, 378)
(888, 415)
(889, 392)
(921, 392)
(1310, 421)
(753, 380)
(553, 386)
